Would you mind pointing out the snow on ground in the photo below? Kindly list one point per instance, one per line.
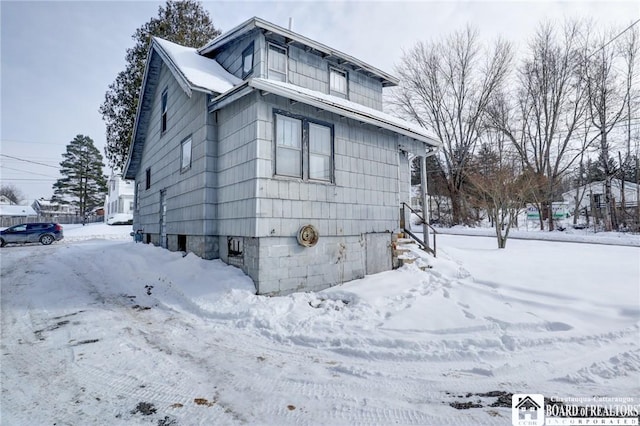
(568, 235)
(99, 330)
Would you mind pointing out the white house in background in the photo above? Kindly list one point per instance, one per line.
(51, 210)
(118, 204)
(12, 214)
(597, 190)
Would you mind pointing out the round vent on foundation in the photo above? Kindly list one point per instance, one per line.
(308, 236)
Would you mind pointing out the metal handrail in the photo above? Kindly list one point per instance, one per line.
(412, 235)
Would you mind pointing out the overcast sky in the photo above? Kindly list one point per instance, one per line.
(58, 58)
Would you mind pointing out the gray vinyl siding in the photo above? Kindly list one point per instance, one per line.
(185, 191)
(365, 90)
(237, 165)
(363, 197)
(231, 57)
(311, 71)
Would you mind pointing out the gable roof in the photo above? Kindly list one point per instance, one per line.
(342, 107)
(193, 73)
(302, 41)
(13, 210)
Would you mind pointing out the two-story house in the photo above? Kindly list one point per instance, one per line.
(118, 203)
(271, 151)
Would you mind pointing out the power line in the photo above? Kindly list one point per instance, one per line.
(29, 161)
(28, 142)
(26, 171)
(613, 39)
(21, 179)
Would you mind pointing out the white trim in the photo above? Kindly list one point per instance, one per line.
(345, 108)
(326, 51)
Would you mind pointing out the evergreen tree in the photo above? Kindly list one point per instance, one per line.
(182, 22)
(83, 184)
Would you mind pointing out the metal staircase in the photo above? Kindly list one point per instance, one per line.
(424, 245)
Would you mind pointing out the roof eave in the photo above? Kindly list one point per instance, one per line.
(387, 79)
(344, 111)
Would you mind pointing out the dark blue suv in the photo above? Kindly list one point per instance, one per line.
(45, 233)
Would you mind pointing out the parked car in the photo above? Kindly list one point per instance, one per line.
(45, 233)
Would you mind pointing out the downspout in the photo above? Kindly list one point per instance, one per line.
(425, 196)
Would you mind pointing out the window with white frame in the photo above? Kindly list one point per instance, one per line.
(337, 81)
(288, 146)
(304, 148)
(319, 152)
(277, 63)
(185, 163)
(247, 61)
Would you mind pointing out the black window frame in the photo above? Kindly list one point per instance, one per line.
(163, 111)
(305, 148)
(148, 178)
(248, 51)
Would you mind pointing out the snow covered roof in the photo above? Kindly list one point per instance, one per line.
(193, 71)
(13, 210)
(302, 41)
(345, 108)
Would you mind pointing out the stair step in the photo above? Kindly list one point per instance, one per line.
(405, 241)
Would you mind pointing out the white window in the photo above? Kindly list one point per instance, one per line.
(277, 63)
(185, 164)
(304, 148)
(319, 152)
(247, 61)
(288, 146)
(337, 81)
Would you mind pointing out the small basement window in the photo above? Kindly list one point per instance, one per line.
(182, 243)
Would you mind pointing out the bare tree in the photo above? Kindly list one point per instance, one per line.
(12, 193)
(606, 99)
(446, 86)
(500, 187)
(630, 52)
(543, 114)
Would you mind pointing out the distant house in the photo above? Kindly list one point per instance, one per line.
(5, 200)
(271, 151)
(592, 195)
(118, 203)
(12, 214)
(48, 210)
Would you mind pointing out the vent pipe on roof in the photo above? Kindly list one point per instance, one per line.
(290, 23)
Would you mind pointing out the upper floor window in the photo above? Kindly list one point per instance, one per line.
(164, 111)
(337, 81)
(148, 178)
(304, 148)
(247, 61)
(185, 163)
(277, 63)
